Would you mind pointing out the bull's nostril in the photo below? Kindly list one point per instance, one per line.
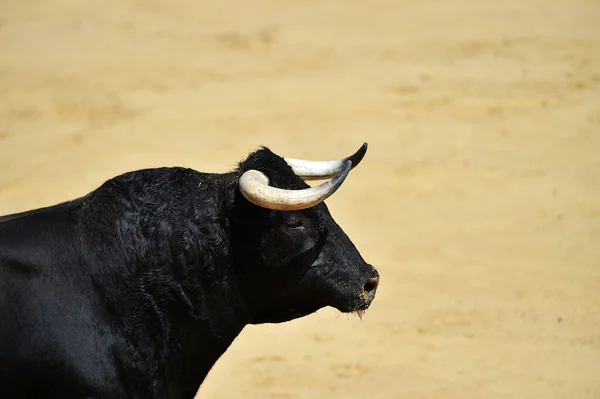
(371, 286)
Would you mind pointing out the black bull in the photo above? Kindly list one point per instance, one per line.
(136, 289)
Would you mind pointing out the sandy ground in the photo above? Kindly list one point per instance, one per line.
(479, 199)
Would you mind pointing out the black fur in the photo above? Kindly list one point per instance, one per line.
(136, 289)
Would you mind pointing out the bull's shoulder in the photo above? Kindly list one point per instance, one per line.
(151, 201)
(157, 216)
(164, 192)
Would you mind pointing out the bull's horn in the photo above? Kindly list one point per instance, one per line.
(254, 186)
(315, 170)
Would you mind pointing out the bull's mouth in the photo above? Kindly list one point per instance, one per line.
(358, 306)
(354, 306)
(359, 311)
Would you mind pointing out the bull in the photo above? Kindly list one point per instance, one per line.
(136, 289)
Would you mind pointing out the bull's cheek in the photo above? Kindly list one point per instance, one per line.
(337, 296)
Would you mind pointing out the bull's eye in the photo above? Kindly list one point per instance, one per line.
(293, 223)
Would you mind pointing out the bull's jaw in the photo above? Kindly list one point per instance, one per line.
(277, 316)
(358, 307)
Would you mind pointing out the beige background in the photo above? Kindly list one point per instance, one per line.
(479, 198)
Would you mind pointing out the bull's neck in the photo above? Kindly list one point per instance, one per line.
(166, 275)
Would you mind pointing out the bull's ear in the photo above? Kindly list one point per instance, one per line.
(274, 249)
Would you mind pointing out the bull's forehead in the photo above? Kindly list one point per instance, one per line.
(282, 176)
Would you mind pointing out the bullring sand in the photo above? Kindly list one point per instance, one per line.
(479, 198)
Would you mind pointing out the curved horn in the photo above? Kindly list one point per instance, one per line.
(315, 170)
(254, 186)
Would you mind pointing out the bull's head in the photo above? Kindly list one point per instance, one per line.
(295, 259)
